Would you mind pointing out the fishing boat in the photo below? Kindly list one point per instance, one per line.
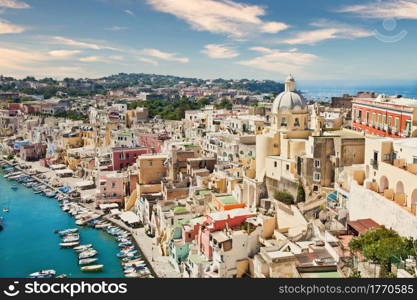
(87, 261)
(133, 261)
(83, 248)
(92, 268)
(43, 274)
(127, 244)
(67, 231)
(14, 187)
(126, 253)
(71, 238)
(62, 276)
(87, 254)
(5, 209)
(69, 244)
(126, 259)
(50, 193)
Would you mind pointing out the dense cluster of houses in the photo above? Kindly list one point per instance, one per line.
(273, 190)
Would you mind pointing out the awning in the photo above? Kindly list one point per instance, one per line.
(129, 217)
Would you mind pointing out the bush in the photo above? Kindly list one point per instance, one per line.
(284, 197)
(301, 194)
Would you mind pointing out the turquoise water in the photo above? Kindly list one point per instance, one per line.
(28, 242)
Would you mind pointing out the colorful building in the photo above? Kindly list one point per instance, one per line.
(385, 116)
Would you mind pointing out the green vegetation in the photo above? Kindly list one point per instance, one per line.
(168, 110)
(72, 115)
(301, 195)
(224, 104)
(381, 245)
(284, 197)
(9, 156)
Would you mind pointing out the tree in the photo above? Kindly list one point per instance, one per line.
(284, 197)
(301, 195)
(224, 103)
(380, 245)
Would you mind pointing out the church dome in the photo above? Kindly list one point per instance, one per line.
(289, 100)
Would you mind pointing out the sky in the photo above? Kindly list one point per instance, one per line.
(320, 40)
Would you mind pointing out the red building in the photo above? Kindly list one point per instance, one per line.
(385, 116)
(124, 157)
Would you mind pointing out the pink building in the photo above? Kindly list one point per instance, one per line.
(214, 222)
(32, 152)
(152, 141)
(123, 157)
(110, 188)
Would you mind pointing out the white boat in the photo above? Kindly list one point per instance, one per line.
(87, 254)
(69, 244)
(43, 274)
(70, 239)
(92, 268)
(83, 248)
(68, 231)
(87, 261)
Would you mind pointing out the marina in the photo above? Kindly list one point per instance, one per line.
(34, 208)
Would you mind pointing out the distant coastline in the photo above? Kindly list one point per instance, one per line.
(320, 92)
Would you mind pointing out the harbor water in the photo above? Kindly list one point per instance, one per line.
(28, 243)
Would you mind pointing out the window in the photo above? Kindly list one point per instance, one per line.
(275, 164)
(287, 167)
(354, 114)
(397, 123)
(367, 117)
(316, 176)
(317, 163)
(296, 122)
(113, 185)
(283, 121)
(415, 160)
(384, 119)
(373, 118)
(390, 121)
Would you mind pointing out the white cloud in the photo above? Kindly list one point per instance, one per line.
(69, 42)
(328, 30)
(63, 53)
(400, 9)
(13, 4)
(116, 57)
(220, 16)
(90, 59)
(275, 60)
(6, 27)
(129, 12)
(148, 61)
(116, 28)
(164, 55)
(219, 51)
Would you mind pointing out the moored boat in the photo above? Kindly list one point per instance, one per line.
(69, 244)
(43, 274)
(92, 268)
(87, 254)
(82, 248)
(87, 261)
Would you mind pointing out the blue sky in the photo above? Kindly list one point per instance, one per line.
(324, 40)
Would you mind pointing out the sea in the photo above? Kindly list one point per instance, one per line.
(28, 243)
(325, 91)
